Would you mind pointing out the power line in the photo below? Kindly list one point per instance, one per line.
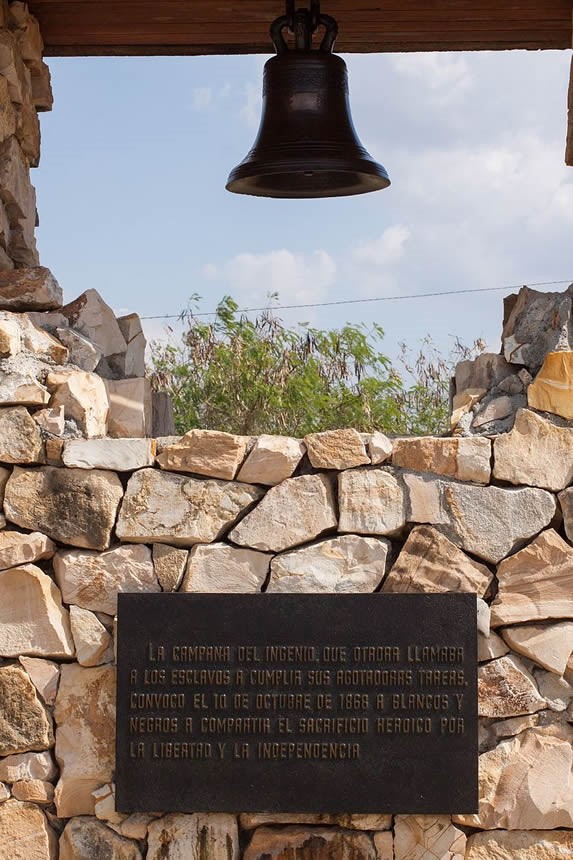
(366, 301)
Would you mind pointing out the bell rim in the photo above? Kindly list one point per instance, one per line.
(258, 169)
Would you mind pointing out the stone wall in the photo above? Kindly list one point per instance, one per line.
(92, 506)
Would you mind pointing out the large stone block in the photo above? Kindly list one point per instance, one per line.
(552, 388)
(467, 459)
(89, 839)
(93, 318)
(25, 833)
(271, 460)
(506, 689)
(84, 398)
(201, 836)
(520, 845)
(118, 455)
(309, 843)
(130, 408)
(24, 723)
(223, 568)
(20, 437)
(371, 501)
(434, 837)
(535, 452)
(538, 323)
(205, 452)
(94, 645)
(27, 766)
(169, 563)
(29, 289)
(484, 372)
(548, 645)
(336, 449)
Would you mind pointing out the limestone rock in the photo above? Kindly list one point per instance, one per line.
(506, 689)
(105, 810)
(384, 845)
(82, 352)
(372, 502)
(535, 583)
(25, 833)
(10, 336)
(251, 820)
(205, 452)
(223, 568)
(132, 361)
(130, 408)
(336, 449)
(29, 289)
(4, 792)
(463, 403)
(348, 563)
(514, 726)
(160, 507)
(21, 389)
(430, 563)
(84, 398)
(32, 619)
(34, 791)
(169, 563)
(552, 389)
(417, 836)
(494, 409)
(484, 372)
(72, 506)
(538, 323)
(20, 438)
(41, 343)
(557, 692)
(489, 522)
(379, 448)
(24, 724)
(271, 460)
(310, 843)
(26, 766)
(175, 837)
(566, 503)
(17, 548)
(94, 645)
(119, 455)
(87, 839)
(525, 783)
(535, 452)
(490, 647)
(520, 845)
(465, 458)
(93, 318)
(549, 646)
(92, 580)
(44, 675)
(292, 513)
(51, 420)
(85, 718)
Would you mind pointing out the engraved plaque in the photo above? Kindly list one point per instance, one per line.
(361, 703)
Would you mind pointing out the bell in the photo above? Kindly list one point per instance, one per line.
(307, 145)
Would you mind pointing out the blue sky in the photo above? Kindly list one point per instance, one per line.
(132, 200)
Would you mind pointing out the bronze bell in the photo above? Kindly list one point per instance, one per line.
(307, 145)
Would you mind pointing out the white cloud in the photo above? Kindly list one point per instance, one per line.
(386, 249)
(445, 76)
(201, 98)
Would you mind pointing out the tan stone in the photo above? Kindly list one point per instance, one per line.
(10, 337)
(93, 318)
(384, 845)
(514, 726)
(27, 766)
(435, 837)
(130, 409)
(490, 647)
(552, 388)
(556, 691)
(506, 689)
(72, 506)
(42, 95)
(24, 723)
(7, 112)
(535, 452)
(525, 783)
(135, 825)
(175, 837)
(485, 371)
(271, 460)
(467, 459)
(131, 363)
(535, 583)
(430, 563)
(92, 580)
(17, 548)
(34, 791)
(223, 568)
(309, 843)
(372, 501)
(82, 352)
(40, 342)
(566, 503)
(51, 420)
(32, 619)
(89, 839)
(251, 820)
(549, 646)
(463, 403)
(160, 507)
(84, 398)
(28, 36)
(169, 563)
(21, 389)
(4, 792)
(494, 410)
(336, 449)
(94, 645)
(85, 718)
(20, 438)
(520, 845)
(119, 455)
(292, 513)
(205, 452)
(348, 563)
(25, 833)
(379, 448)
(44, 675)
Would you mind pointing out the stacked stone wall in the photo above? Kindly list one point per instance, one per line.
(92, 506)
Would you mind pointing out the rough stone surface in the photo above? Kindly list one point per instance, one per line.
(249, 821)
(70, 505)
(119, 455)
(467, 459)
(132, 362)
(85, 718)
(88, 839)
(520, 845)
(4, 792)
(379, 448)
(205, 452)
(94, 645)
(10, 336)
(552, 388)
(130, 408)
(93, 318)
(550, 646)
(20, 438)
(338, 565)
(29, 289)
(535, 452)
(178, 837)
(384, 845)
(32, 619)
(160, 507)
(271, 460)
(34, 791)
(222, 568)
(526, 783)
(372, 501)
(40, 342)
(336, 449)
(485, 372)
(82, 352)
(566, 504)
(417, 836)
(84, 398)
(430, 563)
(21, 389)
(491, 410)
(557, 691)
(538, 323)
(535, 583)
(309, 843)
(25, 766)
(24, 724)
(463, 403)
(51, 420)
(25, 833)
(17, 548)
(489, 522)
(506, 689)
(169, 563)
(92, 580)
(292, 513)
(44, 675)
(490, 647)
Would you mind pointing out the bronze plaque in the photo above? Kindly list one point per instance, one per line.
(358, 703)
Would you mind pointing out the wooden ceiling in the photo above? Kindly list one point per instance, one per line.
(144, 27)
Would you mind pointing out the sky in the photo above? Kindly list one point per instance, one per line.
(132, 200)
